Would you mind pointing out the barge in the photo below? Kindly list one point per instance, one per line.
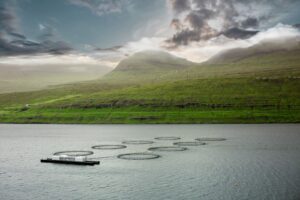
(73, 160)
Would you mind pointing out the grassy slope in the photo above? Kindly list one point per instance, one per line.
(260, 88)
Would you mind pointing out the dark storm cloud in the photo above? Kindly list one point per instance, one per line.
(26, 47)
(101, 7)
(250, 23)
(8, 18)
(297, 26)
(185, 36)
(237, 33)
(114, 48)
(176, 24)
(197, 19)
(18, 35)
(12, 42)
(180, 5)
(193, 17)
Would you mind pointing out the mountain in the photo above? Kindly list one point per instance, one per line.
(148, 61)
(148, 65)
(257, 87)
(264, 47)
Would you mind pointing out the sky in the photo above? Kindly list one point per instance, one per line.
(106, 31)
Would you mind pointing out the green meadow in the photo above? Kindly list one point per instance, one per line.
(261, 88)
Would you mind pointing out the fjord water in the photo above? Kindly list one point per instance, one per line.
(255, 162)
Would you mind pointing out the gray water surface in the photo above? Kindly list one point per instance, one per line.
(255, 162)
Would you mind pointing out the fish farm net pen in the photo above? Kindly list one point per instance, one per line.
(168, 148)
(210, 139)
(167, 138)
(137, 142)
(74, 153)
(138, 156)
(198, 143)
(109, 147)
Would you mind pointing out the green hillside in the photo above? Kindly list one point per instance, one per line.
(147, 66)
(149, 61)
(257, 50)
(257, 88)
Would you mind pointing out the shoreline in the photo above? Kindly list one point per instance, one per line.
(153, 116)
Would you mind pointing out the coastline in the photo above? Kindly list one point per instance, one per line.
(150, 116)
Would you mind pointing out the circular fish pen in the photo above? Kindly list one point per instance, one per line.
(138, 142)
(138, 156)
(73, 153)
(109, 146)
(210, 139)
(168, 148)
(193, 143)
(168, 138)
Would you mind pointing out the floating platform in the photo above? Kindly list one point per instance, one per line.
(70, 160)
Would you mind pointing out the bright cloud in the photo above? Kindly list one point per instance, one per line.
(67, 59)
(284, 36)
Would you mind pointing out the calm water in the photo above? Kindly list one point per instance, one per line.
(256, 162)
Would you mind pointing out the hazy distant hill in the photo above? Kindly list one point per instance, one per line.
(14, 78)
(147, 61)
(262, 48)
(148, 65)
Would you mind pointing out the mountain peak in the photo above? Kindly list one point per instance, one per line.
(152, 60)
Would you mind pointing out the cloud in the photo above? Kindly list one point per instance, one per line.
(196, 20)
(13, 42)
(112, 56)
(102, 7)
(180, 5)
(250, 22)
(46, 59)
(27, 47)
(18, 36)
(280, 37)
(201, 29)
(41, 27)
(237, 33)
(276, 38)
(8, 18)
(114, 48)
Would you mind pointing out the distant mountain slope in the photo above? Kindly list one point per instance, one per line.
(148, 65)
(152, 60)
(17, 78)
(237, 54)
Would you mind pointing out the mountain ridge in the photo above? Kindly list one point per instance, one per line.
(149, 60)
(264, 47)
